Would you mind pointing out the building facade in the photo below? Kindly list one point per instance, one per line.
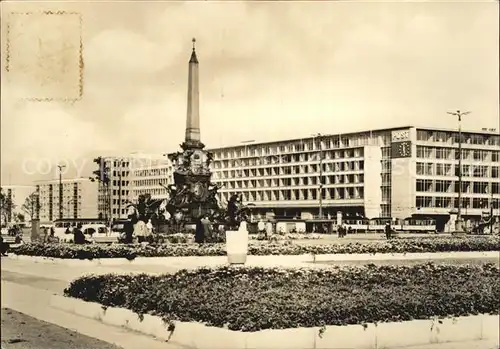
(151, 180)
(388, 173)
(284, 178)
(16, 194)
(114, 198)
(399, 173)
(435, 170)
(79, 199)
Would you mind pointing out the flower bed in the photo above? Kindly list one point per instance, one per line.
(416, 245)
(253, 299)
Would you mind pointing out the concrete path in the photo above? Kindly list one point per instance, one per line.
(20, 331)
(34, 302)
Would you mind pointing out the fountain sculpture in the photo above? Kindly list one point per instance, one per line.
(192, 195)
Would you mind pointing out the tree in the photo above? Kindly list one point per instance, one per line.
(31, 205)
(6, 206)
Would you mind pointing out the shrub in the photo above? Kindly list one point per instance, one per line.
(415, 245)
(252, 299)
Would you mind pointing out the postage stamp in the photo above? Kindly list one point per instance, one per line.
(44, 55)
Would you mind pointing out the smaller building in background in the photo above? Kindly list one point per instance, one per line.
(79, 199)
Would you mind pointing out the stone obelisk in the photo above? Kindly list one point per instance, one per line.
(192, 139)
(192, 195)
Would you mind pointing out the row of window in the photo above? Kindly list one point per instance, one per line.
(443, 186)
(162, 171)
(291, 170)
(289, 158)
(450, 137)
(55, 198)
(425, 152)
(350, 193)
(120, 173)
(116, 211)
(123, 164)
(151, 182)
(311, 144)
(153, 192)
(449, 203)
(103, 195)
(294, 181)
(477, 171)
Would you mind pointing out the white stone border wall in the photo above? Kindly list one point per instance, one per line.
(382, 335)
(278, 260)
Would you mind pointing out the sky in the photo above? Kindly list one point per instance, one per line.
(268, 71)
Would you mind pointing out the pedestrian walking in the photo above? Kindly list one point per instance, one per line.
(78, 237)
(4, 247)
(340, 231)
(388, 231)
(199, 236)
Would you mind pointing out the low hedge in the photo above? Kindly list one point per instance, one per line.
(188, 237)
(253, 299)
(415, 245)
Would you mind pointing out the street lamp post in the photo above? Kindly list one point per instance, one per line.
(491, 206)
(320, 187)
(459, 224)
(246, 155)
(60, 167)
(120, 164)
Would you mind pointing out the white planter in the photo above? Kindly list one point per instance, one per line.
(237, 246)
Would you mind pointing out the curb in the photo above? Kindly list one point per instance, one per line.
(373, 336)
(276, 260)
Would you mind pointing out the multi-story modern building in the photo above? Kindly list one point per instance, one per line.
(79, 199)
(16, 194)
(398, 173)
(401, 173)
(114, 198)
(151, 180)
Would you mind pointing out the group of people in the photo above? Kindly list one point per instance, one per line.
(265, 228)
(136, 226)
(204, 229)
(343, 231)
(78, 237)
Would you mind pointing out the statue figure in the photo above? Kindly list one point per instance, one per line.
(144, 209)
(172, 190)
(232, 205)
(210, 157)
(212, 193)
(232, 209)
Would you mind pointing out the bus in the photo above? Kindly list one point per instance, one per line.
(377, 225)
(62, 227)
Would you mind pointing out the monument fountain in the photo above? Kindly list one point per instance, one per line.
(193, 196)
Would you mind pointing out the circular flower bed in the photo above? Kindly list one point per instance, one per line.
(252, 299)
(415, 245)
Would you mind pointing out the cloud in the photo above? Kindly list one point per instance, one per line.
(117, 51)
